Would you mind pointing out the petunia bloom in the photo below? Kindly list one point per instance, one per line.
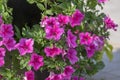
(51, 22)
(85, 38)
(6, 31)
(109, 24)
(36, 61)
(71, 39)
(9, 43)
(25, 46)
(30, 75)
(2, 52)
(52, 52)
(54, 32)
(2, 62)
(76, 18)
(91, 48)
(98, 41)
(68, 71)
(72, 56)
(102, 1)
(63, 19)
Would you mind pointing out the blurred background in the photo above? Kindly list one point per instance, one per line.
(112, 69)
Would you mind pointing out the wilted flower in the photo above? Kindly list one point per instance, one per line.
(76, 18)
(36, 61)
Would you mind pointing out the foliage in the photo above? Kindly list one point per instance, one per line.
(16, 65)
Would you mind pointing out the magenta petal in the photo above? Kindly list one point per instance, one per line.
(36, 61)
(30, 75)
(76, 18)
(71, 39)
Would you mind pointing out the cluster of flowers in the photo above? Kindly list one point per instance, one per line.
(54, 28)
(24, 46)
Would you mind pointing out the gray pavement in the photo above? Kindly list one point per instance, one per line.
(112, 69)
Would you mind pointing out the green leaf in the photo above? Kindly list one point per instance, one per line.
(17, 33)
(41, 6)
(108, 50)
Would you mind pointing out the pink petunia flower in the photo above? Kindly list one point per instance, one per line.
(63, 19)
(54, 32)
(85, 38)
(2, 62)
(51, 22)
(36, 61)
(25, 46)
(2, 52)
(52, 52)
(68, 71)
(72, 56)
(102, 1)
(71, 39)
(98, 41)
(76, 18)
(109, 24)
(6, 31)
(91, 48)
(9, 43)
(30, 75)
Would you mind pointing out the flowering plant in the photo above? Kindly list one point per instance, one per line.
(68, 41)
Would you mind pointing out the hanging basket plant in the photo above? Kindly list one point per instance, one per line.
(53, 39)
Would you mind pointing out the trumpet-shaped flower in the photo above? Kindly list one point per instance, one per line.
(109, 23)
(91, 48)
(6, 31)
(54, 32)
(72, 55)
(71, 39)
(9, 43)
(51, 22)
(52, 52)
(76, 18)
(2, 52)
(36, 61)
(30, 75)
(25, 46)
(85, 38)
(63, 19)
(68, 71)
